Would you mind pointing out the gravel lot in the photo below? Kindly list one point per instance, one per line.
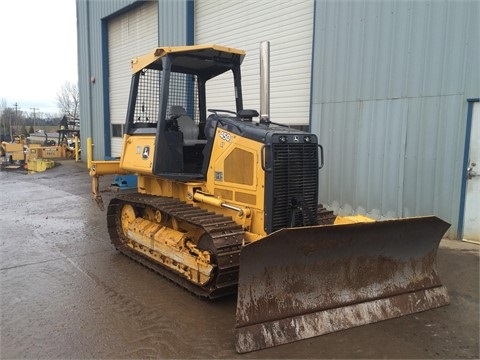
(66, 293)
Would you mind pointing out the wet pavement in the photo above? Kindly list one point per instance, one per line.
(67, 294)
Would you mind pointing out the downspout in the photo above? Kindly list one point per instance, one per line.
(88, 101)
(312, 64)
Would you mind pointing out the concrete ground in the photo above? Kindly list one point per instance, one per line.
(66, 293)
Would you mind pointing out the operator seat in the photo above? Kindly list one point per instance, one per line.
(186, 125)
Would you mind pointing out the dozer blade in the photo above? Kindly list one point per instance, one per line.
(304, 282)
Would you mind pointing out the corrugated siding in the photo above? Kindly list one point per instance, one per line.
(288, 25)
(172, 22)
(130, 34)
(90, 16)
(389, 91)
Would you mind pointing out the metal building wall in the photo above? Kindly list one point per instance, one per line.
(390, 86)
(175, 27)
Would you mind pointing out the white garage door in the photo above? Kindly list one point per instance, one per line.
(288, 25)
(129, 35)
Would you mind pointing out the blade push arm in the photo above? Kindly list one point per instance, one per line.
(100, 168)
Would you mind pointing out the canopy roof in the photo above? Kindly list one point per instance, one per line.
(206, 61)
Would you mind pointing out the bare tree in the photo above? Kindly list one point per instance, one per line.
(4, 119)
(68, 100)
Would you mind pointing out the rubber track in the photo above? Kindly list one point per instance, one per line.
(226, 235)
(324, 216)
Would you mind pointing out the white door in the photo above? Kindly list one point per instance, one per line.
(130, 34)
(471, 224)
(288, 25)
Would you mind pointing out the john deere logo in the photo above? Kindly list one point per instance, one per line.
(146, 152)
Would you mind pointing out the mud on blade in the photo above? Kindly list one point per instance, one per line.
(304, 282)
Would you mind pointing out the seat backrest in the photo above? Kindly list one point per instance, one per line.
(188, 127)
(177, 110)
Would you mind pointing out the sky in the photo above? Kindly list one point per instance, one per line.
(38, 52)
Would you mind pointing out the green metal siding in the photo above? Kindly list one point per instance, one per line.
(390, 86)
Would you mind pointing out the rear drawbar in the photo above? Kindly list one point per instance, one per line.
(304, 282)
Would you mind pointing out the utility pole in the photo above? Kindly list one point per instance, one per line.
(16, 120)
(34, 117)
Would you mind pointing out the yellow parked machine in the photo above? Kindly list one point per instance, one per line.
(14, 151)
(228, 203)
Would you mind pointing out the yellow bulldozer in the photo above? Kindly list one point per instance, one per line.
(227, 202)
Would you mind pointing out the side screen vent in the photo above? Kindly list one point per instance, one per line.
(183, 93)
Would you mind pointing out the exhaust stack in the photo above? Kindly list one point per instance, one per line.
(265, 82)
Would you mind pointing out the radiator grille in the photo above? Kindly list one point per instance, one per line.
(295, 185)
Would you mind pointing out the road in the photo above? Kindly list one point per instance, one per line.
(66, 293)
